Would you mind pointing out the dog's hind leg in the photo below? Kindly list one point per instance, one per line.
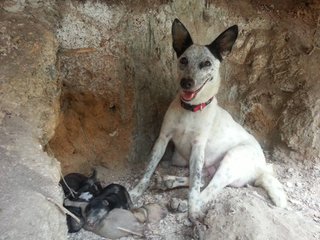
(241, 165)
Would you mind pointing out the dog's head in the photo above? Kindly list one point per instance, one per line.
(198, 65)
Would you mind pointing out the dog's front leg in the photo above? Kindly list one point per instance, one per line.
(156, 155)
(196, 165)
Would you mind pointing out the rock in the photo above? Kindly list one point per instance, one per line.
(179, 205)
(150, 213)
(254, 219)
(140, 214)
(187, 222)
(29, 109)
(155, 212)
(119, 223)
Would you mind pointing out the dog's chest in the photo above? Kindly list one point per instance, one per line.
(189, 129)
(215, 129)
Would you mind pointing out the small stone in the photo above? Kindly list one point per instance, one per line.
(232, 211)
(179, 205)
(183, 206)
(290, 170)
(186, 222)
(289, 184)
(180, 217)
(156, 212)
(174, 203)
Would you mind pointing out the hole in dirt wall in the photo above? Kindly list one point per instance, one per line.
(88, 133)
(95, 126)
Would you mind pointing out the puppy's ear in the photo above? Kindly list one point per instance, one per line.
(222, 45)
(93, 176)
(181, 37)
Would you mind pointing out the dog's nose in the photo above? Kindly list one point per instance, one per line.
(187, 83)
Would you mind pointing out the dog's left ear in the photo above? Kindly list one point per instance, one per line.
(222, 45)
(181, 37)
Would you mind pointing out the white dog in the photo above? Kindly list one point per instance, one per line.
(205, 136)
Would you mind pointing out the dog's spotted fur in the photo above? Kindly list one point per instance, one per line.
(209, 141)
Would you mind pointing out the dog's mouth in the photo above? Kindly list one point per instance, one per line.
(187, 96)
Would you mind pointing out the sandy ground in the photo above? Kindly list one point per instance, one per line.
(301, 182)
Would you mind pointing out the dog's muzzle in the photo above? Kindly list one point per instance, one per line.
(188, 95)
(187, 83)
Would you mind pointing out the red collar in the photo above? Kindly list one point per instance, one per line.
(195, 108)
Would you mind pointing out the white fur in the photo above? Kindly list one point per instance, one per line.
(273, 188)
(86, 196)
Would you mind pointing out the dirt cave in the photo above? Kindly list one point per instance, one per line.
(85, 84)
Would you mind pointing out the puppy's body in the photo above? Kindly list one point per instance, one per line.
(77, 187)
(111, 197)
(205, 136)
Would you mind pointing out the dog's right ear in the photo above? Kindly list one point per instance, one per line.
(181, 37)
(222, 45)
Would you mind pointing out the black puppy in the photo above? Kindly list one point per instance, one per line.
(80, 188)
(112, 196)
(73, 225)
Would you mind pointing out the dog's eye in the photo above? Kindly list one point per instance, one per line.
(204, 64)
(184, 61)
(207, 63)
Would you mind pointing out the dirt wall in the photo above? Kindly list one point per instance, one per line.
(29, 97)
(118, 74)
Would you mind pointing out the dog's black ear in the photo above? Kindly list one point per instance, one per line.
(222, 45)
(181, 37)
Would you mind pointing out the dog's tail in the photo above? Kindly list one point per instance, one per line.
(273, 187)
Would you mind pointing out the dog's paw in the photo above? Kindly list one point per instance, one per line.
(134, 195)
(157, 182)
(163, 182)
(196, 214)
(199, 231)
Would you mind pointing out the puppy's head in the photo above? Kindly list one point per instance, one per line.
(95, 212)
(198, 65)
